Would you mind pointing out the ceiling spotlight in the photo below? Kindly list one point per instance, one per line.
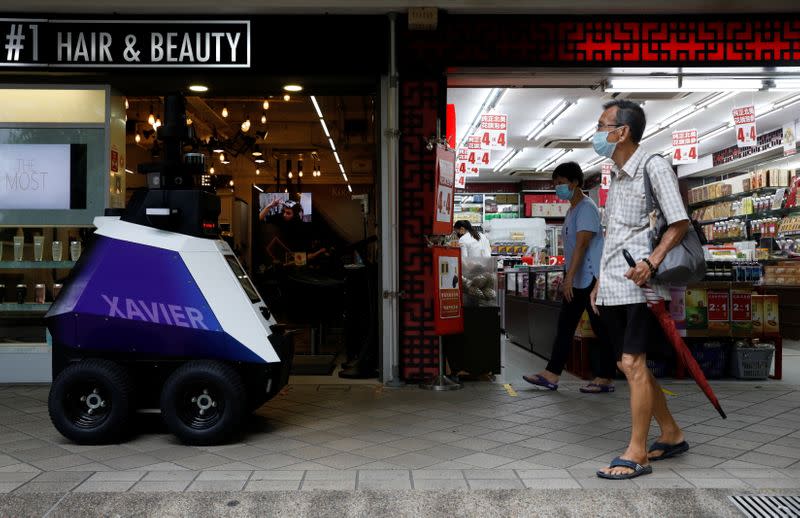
(287, 98)
(290, 175)
(157, 124)
(246, 125)
(293, 88)
(258, 171)
(266, 104)
(256, 151)
(264, 118)
(189, 121)
(211, 170)
(230, 183)
(151, 119)
(221, 156)
(198, 88)
(137, 138)
(300, 174)
(259, 160)
(225, 111)
(127, 105)
(225, 162)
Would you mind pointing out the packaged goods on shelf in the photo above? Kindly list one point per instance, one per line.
(783, 274)
(479, 281)
(696, 308)
(757, 313)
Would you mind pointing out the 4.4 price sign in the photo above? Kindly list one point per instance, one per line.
(493, 131)
(684, 146)
(471, 158)
(744, 119)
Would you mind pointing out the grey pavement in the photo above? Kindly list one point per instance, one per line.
(370, 440)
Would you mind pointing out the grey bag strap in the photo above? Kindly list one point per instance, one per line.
(650, 201)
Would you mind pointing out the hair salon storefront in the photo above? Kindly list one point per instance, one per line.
(67, 82)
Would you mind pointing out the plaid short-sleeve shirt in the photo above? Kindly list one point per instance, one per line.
(628, 225)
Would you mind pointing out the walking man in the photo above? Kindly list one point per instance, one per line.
(618, 297)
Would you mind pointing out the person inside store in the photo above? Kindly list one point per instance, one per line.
(293, 233)
(582, 236)
(471, 242)
(618, 297)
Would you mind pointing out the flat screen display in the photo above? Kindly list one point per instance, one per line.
(303, 200)
(43, 176)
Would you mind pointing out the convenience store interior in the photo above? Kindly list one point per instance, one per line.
(551, 119)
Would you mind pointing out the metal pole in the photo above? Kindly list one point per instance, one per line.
(441, 382)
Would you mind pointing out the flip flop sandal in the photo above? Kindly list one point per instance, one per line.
(669, 450)
(638, 470)
(540, 381)
(596, 388)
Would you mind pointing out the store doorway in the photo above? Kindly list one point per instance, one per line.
(740, 181)
(297, 178)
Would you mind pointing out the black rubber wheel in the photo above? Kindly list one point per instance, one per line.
(203, 402)
(90, 402)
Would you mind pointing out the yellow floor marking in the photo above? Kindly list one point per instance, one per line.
(667, 392)
(510, 390)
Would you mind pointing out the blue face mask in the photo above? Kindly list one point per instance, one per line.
(601, 144)
(564, 192)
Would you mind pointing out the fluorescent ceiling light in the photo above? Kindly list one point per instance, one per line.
(293, 88)
(257, 187)
(336, 156)
(345, 177)
(316, 106)
(341, 168)
(550, 118)
(506, 159)
(686, 84)
(784, 103)
(552, 160)
(589, 133)
(198, 88)
(642, 84)
(686, 113)
(491, 101)
(786, 84)
(349, 188)
(716, 132)
(325, 128)
(333, 146)
(718, 84)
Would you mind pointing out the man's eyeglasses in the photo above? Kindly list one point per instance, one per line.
(609, 126)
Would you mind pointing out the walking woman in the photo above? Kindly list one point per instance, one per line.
(583, 246)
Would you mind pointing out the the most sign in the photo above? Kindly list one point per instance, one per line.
(124, 43)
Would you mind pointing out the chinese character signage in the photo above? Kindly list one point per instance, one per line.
(493, 131)
(744, 119)
(447, 312)
(790, 138)
(124, 43)
(445, 184)
(684, 147)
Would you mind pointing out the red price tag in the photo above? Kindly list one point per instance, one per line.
(718, 309)
(740, 303)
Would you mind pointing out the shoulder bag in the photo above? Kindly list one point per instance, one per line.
(685, 262)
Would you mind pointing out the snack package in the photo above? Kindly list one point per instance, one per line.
(719, 310)
(677, 307)
(757, 308)
(771, 314)
(696, 308)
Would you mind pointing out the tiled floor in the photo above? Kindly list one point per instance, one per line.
(369, 437)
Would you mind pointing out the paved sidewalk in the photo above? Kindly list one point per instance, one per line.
(366, 437)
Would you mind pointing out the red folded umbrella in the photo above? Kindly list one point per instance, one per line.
(659, 309)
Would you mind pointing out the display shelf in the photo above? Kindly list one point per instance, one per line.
(42, 265)
(733, 197)
(13, 307)
(755, 216)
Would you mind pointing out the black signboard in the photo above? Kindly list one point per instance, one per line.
(124, 43)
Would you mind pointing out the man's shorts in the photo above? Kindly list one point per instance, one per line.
(633, 329)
